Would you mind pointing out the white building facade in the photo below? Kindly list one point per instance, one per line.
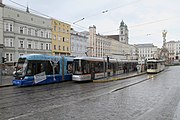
(146, 51)
(99, 45)
(79, 44)
(24, 33)
(103, 46)
(174, 50)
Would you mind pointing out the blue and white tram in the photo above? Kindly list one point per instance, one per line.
(155, 66)
(91, 68)
(36, 69)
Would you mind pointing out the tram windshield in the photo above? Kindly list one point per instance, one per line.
(152, 66)
(77, 67)
(20, 68)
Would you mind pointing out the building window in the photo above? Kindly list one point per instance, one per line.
(21, 30)
(59, 47)
(47, 47)
(9, 42)
(42, 34)
(36, 33)
(29, 45)
(42, 46)
(54, 37)
(67, 40)
(21, 44)
(47, 35)
(59, 29)
(29, 31)
(21, 54)
(8, 27)
(9, 57)
(35, 45)
(54, 47)
(67, 48)
(63, 39)
(63, 48)
(121, 32)
(54, 28)
(11, 27)
(33, 32)
(59, 38)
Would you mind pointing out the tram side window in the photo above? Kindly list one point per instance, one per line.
(49, 69)
(31, 69)
(57, 68)
(99, 67)
(69, 67)
(120, 66)
(85, 67)
(40, 68)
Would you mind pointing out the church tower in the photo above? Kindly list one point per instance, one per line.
(123, 33)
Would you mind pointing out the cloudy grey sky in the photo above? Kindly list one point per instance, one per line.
(146, 19)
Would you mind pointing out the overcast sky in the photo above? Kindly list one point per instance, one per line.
(146, 19)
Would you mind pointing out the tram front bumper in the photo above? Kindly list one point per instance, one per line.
(81, 77)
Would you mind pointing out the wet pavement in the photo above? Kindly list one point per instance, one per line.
(6, 80)
(145, 97)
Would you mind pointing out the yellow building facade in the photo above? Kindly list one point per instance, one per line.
(60, 38)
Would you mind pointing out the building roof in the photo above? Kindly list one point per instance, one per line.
(145, 45)
(115, 37)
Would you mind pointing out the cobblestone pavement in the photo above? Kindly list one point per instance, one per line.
(145, 97)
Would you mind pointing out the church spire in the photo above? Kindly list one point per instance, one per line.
(122, 23)
(27, 9)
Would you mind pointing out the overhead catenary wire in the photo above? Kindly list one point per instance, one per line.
(42, 14)
(105, 11)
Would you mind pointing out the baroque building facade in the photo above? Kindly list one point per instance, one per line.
(23, 33)
(61, 44)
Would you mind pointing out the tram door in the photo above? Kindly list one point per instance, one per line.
(92, 71)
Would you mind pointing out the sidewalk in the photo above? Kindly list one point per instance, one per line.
(6, 81)
(119, 77)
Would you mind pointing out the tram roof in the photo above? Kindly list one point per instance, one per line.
(102, 59)
(155, 60)
(42, 57)
(89, 58)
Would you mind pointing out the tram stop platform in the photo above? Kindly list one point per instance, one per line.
(119, 77)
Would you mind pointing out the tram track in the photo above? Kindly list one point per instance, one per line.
(41, 98)
(46, 104)
(138, 81)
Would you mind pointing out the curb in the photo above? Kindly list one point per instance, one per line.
(115, 79)
(7, 85)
